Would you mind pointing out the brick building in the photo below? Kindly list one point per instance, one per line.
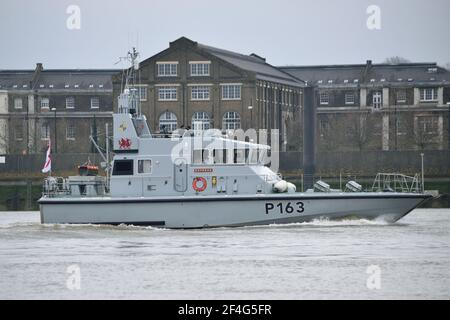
(359, 107)
(198, 86)
(36, 105)
(380, 106)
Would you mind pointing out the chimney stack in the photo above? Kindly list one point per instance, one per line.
(367, 70)
(37, 73)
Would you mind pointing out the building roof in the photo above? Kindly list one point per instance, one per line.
(57, 79)
(15, 79)
(254, 64)
(398, 74)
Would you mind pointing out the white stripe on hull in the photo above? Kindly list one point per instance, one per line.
(235, 211)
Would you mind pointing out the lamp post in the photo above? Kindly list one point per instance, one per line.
(423, 182)
(448, 128)
(56, 145)
(396, 129)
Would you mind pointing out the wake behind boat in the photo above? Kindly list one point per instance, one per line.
(194, 179)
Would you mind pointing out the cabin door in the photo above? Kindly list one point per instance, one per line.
(180, 175)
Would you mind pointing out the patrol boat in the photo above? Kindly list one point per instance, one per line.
(200, 180)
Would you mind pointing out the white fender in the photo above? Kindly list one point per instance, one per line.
(280, 186)
(291, 188)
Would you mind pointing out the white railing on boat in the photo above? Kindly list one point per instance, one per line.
(75, 186)
(396, 182)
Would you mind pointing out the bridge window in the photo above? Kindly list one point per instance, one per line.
(202, 156)
(145, 166)
(123, 168)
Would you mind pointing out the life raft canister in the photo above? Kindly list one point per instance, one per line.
(195, 184)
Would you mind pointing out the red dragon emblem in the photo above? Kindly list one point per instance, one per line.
(125, 143)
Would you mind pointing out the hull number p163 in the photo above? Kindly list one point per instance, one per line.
(281, 208)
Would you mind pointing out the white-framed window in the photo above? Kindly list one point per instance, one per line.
(349, 98)
(167, 69)
(377, 99)
(145, 166)
(401, 96)
(200, 121)
(45, 131)
(231, 121)
(231, 92)
(167, 93)
(324, 98)
(428, 94)
(95, 102)
(200, 93)
(324, 127)
(18, 133)
(70, 103)
(70, 131)
(200, 68)
(168, 122)
(18, 103)
(45, 103)
(142, 90)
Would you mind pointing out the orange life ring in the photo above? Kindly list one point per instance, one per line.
(196, 187)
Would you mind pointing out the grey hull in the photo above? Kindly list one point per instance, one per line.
(227, 211)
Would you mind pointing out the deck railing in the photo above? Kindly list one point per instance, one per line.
(396, 182)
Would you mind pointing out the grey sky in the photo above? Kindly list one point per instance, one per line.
(286, 32)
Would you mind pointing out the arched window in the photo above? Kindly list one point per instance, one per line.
(231, 121)
(200, 121)
(168, 122)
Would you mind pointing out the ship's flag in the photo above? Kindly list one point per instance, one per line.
(48, 160)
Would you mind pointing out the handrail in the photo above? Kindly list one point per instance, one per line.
(396, 182)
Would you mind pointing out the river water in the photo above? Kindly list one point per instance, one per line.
(319, 260)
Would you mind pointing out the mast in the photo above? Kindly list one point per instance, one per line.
(108, 165)
(129, 99)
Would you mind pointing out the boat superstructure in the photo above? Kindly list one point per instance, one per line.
(195, 179)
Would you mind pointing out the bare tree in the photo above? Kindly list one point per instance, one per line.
(358, 129)
(396, 60)
(422, 138)
(329, 128)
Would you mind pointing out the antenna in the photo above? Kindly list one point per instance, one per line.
(129, 100)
